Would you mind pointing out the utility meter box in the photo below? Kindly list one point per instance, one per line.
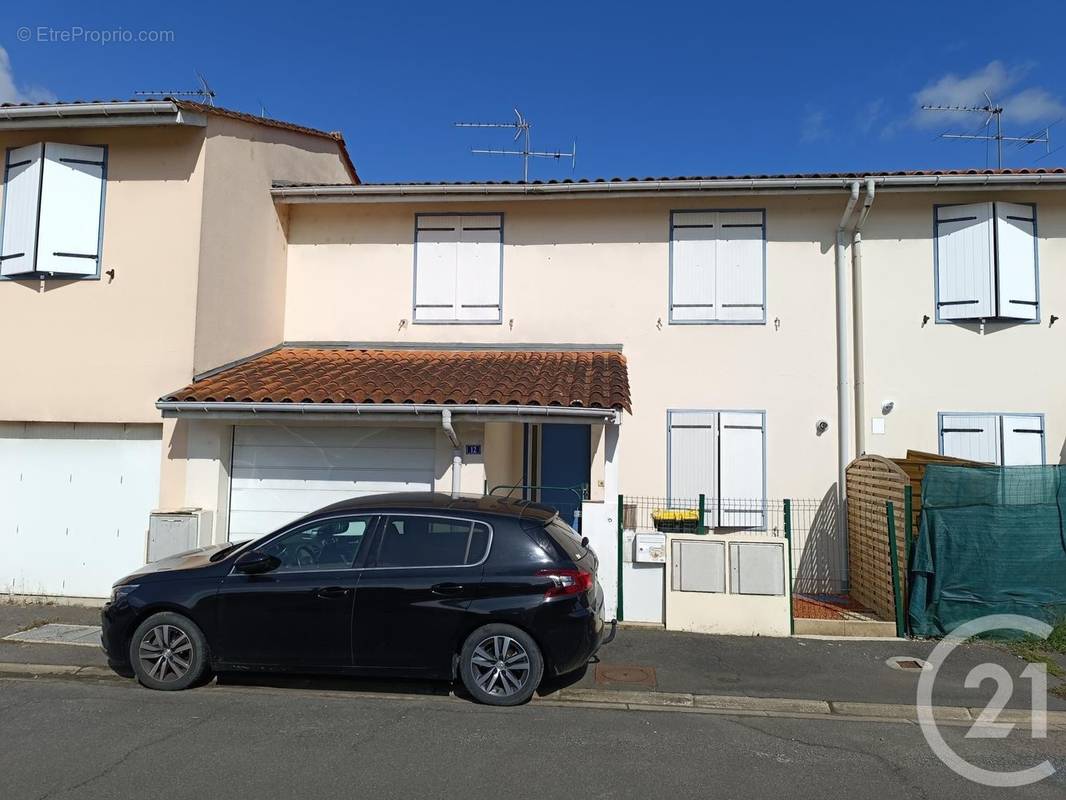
(650, 548)
(171, 532)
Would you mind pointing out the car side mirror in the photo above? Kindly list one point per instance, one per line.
(255, 562)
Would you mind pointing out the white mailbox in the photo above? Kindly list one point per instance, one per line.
(650, 548)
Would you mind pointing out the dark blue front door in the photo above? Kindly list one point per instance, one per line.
(564, 461)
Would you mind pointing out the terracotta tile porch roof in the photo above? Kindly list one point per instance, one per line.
(289, 375)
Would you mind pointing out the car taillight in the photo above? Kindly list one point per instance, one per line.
(567, 581)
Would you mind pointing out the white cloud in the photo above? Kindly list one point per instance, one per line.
(1032, 105)
(10, 92)
(813, 128)
(1028, 104)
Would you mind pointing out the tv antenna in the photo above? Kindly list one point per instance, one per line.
(205, 93)
(994, 112)
(521, 127)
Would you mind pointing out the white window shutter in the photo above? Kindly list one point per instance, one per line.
(22, 186)
(739, 266)
(72, 194)
(965, 266)
(478, 266)
(970, 436)
(692, 280)
(741, 470)
(692, 455)
(1023, 440)
(1016, 260)
(436, 258)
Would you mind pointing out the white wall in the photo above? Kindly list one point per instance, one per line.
(956, 367)
(596, 272)
(727, 612)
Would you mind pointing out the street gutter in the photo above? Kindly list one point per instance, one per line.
(617, 700)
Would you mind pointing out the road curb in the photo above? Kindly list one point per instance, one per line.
(784, 706)
(635, 700)
(46, 670)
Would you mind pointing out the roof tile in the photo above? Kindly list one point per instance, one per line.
(579, 379)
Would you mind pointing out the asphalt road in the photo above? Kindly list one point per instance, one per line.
(80, 739)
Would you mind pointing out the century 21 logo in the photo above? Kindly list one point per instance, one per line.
(987, 725)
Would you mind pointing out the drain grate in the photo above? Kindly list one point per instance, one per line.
(907, 663)
(628, 674)
(55, 633)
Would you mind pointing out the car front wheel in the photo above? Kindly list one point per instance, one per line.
(500, 665)
(168, 652)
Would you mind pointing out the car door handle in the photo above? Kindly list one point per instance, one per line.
(333, 591)
(447, 588)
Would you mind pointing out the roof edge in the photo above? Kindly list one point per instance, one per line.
(164, 111)
(206, 408)
(401, 192)
(452, 347)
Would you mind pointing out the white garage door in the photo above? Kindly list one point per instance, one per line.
(74, 504)
(281, 473)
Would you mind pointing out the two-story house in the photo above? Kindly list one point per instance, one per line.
(140, 246)
(739, 338)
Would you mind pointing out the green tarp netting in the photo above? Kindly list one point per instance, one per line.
(991, 541)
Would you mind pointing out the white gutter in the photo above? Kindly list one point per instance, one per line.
(457, 452)
(857, 320)
(843, 395)
(412, 191)
(57, 115)
(173, 408)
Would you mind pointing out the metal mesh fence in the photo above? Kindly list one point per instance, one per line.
(819, 561)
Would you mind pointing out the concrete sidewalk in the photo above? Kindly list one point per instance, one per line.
(657, 663)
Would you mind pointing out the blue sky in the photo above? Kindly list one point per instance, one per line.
(645, 89)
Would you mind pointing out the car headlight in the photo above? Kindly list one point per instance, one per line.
(119, 592)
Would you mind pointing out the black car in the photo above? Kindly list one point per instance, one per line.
(494, 591)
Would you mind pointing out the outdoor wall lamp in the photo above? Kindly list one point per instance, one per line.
(821, 427)
(887, 406)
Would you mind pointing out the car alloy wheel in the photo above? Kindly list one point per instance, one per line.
(165, 652)
(500, 666)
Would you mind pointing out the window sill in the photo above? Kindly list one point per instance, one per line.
(718, 321)
(457, 322)
(48, 277)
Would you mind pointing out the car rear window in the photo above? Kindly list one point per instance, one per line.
(567, 538)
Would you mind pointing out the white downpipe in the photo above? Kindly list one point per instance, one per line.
(857, 320)
(843, 395)
(457, 452)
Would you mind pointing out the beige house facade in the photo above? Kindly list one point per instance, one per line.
(161, 282)
(285, 336)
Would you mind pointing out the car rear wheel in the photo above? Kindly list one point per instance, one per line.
(168, 651)
(500, 665)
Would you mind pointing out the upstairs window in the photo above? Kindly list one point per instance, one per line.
(458, 268)
(986, 262)
(1003, 439)
(721, 455)
(718, 266)
(53, 211)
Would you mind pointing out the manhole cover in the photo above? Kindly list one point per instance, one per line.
(907, 663)
(54, 633)
(608, 674)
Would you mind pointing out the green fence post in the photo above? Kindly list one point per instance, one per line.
(908, 509)
(788, 547)
(893, 554)
(621, 547)
(701, 528)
